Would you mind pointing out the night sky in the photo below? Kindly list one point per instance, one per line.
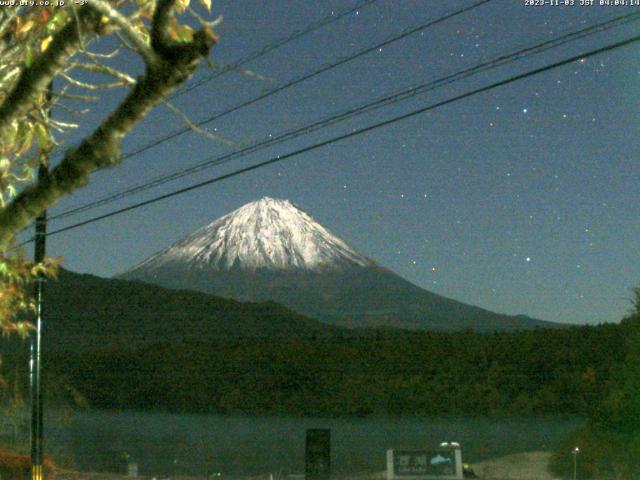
(521, 200)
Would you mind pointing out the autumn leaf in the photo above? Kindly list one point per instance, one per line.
(45, 43)
(182, 5)
(206, 4)
(25, 27)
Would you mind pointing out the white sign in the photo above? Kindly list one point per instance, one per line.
(440, 464)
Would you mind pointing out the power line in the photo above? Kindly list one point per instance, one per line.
(296, 34)
(405, 33)
(354, 111)
(354, 133)
(277, 44)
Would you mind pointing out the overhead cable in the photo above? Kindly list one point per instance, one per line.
(352, 112)
(354, 133)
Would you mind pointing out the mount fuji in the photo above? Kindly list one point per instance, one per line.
(272, 250)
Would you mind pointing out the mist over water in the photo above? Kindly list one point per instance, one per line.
(236, 446)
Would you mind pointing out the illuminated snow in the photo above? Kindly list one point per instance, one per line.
(265, 234)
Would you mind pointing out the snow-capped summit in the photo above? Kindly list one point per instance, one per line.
(268, 234)
(270, 250)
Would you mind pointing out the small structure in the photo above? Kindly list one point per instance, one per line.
(443, 463)
(318, 454)
(132, 469)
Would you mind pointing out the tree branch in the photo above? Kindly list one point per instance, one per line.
(102, 148)
(123, 23)
(200, 131)
(36, 78)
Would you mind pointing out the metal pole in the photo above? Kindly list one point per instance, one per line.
(36, 340)
(36, 437)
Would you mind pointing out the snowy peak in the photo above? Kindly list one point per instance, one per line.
(267, 234)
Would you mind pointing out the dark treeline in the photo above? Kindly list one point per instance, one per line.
(566, 371)
(609, 442)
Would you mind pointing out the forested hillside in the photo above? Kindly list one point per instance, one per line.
(541, 371)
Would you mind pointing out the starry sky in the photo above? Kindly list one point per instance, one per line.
(521, 200)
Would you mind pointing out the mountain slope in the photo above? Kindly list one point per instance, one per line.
(87, 312)
(271, 250)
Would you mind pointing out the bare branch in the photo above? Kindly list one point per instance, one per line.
(196, 128)
(94, 55)
(81, 98)
(205, 23)
(8, 14)
(101, 149)
(10, 74)
(74, 8)
(123, 23)
(107, 70)
(72, 111)
(241, 71)
(35, 79)
(92, 86)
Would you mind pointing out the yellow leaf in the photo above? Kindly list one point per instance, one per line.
(45, 43)
(43, 136)
(25, 27)
(29, 56)
(185, 33)
(180, 33)
(206, 4)
(181, 6)
(25, 137)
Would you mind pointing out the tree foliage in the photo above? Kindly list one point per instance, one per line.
(610, 442)
(51, 58)
(380, 373)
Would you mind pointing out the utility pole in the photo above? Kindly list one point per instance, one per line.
(36, 338)
(35, 363)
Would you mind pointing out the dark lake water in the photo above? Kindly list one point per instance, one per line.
(164, 444)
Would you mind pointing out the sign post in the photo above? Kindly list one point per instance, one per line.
(317, 465)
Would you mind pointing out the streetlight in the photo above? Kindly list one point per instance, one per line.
(575, 453)
(449, 445)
